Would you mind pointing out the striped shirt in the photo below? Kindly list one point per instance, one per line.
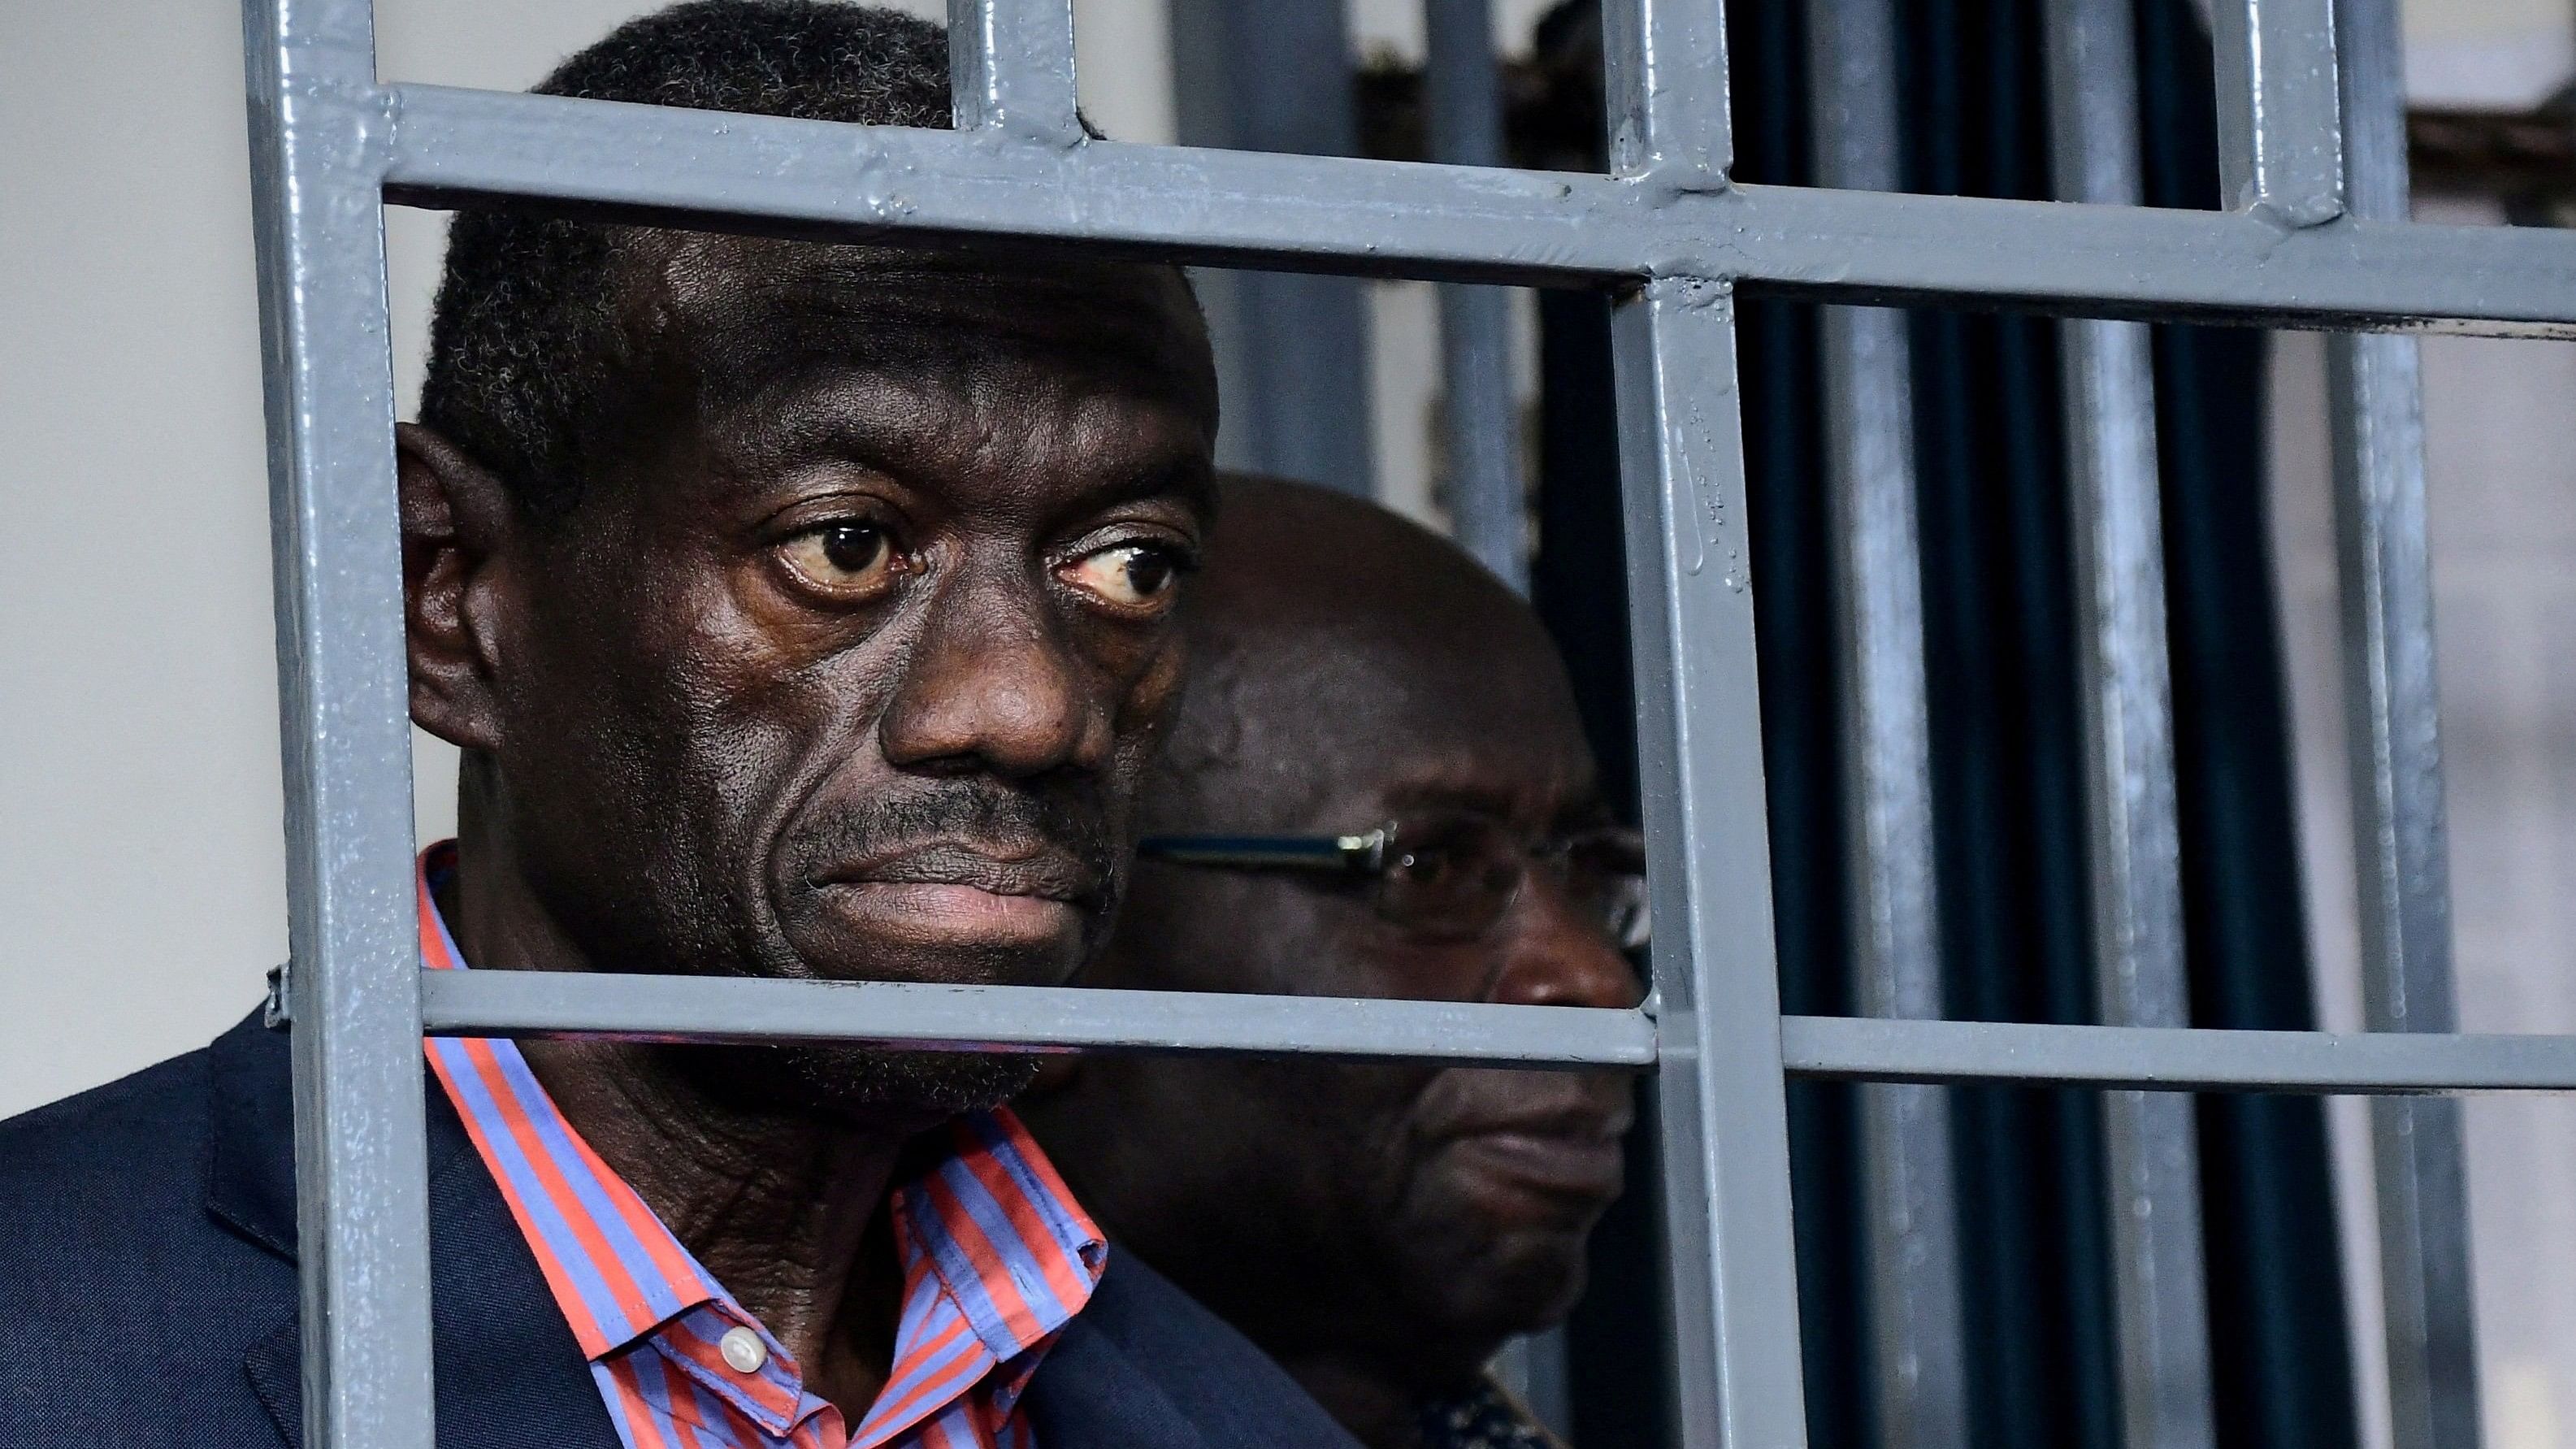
(997, 1257)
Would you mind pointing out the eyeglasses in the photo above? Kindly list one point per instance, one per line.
(1447, 877)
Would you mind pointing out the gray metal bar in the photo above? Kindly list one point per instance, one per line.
(690, 1008)
(1488, 224)
(2150, 1141)
(1013, 73)
(2393, 741)
(1488, 513)
(318, 136)
(2280, 124)
(1481, 479)
(2168, 1059)
(708, 1008)
(1722, 1099)
(1292, 352)
(1721, 1093)
(1907, 1180)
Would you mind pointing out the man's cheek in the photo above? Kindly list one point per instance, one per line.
(1153, 687)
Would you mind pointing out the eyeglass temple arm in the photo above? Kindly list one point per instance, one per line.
(1271, 852)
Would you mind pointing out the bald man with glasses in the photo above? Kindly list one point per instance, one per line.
(1376, 785)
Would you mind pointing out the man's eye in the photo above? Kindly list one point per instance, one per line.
(843, 558)
(1424, 865)
(1132, 576)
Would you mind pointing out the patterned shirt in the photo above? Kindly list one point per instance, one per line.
(997, 1257)
(1484, 1418)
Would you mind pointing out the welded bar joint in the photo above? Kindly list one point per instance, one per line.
(1013, 73)
(2280, 117)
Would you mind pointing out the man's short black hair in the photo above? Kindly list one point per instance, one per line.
(525, 337)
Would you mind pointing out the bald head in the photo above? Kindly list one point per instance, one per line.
(1380, 1229)
(1326, 631)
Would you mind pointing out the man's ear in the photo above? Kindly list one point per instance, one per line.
(456, 518)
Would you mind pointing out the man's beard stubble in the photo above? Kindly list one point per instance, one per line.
(856, 1083)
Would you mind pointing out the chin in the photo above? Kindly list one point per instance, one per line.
(834, 950)
(1466, 1300)
(1531, 1282)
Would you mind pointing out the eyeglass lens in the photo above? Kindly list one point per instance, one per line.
(1454, 876)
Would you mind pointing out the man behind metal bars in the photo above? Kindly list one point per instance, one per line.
(1376, 786)
(802, 611)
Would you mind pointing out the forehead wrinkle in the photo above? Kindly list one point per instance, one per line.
(953, 432)
(832, 414)
(740, 311)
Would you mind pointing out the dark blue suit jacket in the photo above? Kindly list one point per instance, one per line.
(148, 1294)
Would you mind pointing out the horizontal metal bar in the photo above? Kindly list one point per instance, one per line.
(1468, 223)
(711, 1008)
(1845, 1048)
(2174, 1058)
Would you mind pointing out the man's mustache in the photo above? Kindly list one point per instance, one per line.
(979, 816)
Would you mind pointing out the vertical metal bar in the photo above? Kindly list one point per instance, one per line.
(1912, 1244)
(2280, 131)
(1292, 350)
(2393, 735)
(1487, 510)
(1724, 1107)
(1681, 448)
(2151, 1146)
(361, 1161)
(1010, 69)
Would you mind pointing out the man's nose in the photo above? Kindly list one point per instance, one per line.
(994, 686)
(1555, 954)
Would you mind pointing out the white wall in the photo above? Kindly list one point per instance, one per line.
(140, 863)
(2488, 52)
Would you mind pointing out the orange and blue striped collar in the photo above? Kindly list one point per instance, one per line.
(997, 1258)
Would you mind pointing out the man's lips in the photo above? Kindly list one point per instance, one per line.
(1566, 1155)
(950, 893)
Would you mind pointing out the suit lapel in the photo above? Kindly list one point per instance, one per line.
(507, 1373)
(1090, 1393)
(1144, 1366)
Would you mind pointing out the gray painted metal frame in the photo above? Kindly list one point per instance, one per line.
(2150, 1141)
(1481, 479)
(361, 1136)
(1675, 237)
(1293, 358)
(1396, 218)
(2393, 744)
(1480, 429)
(1919, 1365)
(2280, 138)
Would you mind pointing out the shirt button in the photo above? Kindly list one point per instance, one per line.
(743, 1350)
